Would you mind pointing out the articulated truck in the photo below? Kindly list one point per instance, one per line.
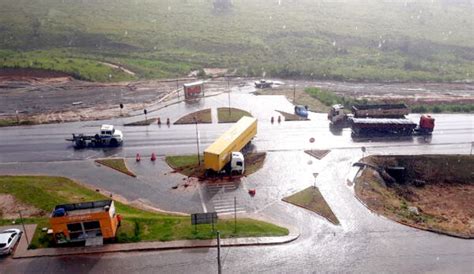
(225, 152)
(381, 119)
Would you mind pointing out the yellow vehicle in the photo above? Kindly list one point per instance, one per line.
(225, 151)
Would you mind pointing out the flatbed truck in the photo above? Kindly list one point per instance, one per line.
(108, 136)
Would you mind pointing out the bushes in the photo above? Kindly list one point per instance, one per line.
(455, 108)
(329, 98)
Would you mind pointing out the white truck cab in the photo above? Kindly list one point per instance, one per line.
(115, 136)
(336, 114)
(237, 162)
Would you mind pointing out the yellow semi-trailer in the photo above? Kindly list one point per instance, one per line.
(226, 149)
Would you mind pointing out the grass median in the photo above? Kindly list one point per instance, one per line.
(43, 193)
(231, 115)
(312, 199)
(117, 164)
(188, 164)
(201, 117)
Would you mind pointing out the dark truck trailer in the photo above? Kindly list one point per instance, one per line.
(391, 126)
(381, 111)
(337, 116)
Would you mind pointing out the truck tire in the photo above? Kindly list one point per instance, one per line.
(79, 144)
(113, 142)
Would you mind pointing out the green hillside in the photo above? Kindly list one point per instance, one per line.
(352, 40)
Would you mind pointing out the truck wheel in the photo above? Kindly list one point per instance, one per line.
(113, 142)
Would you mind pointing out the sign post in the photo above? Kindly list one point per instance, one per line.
(315, 175)
(24, 229)
(219, 266)
(311, 140)
(197, 141)
(203, 218)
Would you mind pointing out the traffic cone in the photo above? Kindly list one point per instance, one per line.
(138, 157)
(153, 157)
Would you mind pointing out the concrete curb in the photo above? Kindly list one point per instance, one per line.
(152, 246)
(23, 252)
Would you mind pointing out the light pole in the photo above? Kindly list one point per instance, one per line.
(228, 93)
(197, 140)
(294, 91)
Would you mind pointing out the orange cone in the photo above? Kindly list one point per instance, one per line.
(153, 157)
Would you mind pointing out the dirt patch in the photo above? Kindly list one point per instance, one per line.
(10, 207)
(117, 164)
(312, 199)
(201, 117)
(10, 74)
(318, 154)
(437, 192)
(231, 115)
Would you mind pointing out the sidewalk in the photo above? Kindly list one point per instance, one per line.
(23, 252)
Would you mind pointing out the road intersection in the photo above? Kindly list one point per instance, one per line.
(363, 242)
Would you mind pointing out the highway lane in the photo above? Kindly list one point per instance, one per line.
(47, 142)
(362, 243)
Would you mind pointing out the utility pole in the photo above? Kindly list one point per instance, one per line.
(197, 140)
(219, 267)
(235, 215)
(228, 93)
(294, 91)
(177, 88)
(24, 229)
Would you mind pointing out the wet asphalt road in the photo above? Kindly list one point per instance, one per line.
(364, 242)
(47, 142)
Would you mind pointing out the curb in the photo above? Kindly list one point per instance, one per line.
(154, 246)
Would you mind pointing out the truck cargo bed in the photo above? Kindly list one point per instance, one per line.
(381, 110)
(384, 126)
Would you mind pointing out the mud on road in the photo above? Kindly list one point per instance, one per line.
(441, 200)
(46, 97)
(61, 98)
